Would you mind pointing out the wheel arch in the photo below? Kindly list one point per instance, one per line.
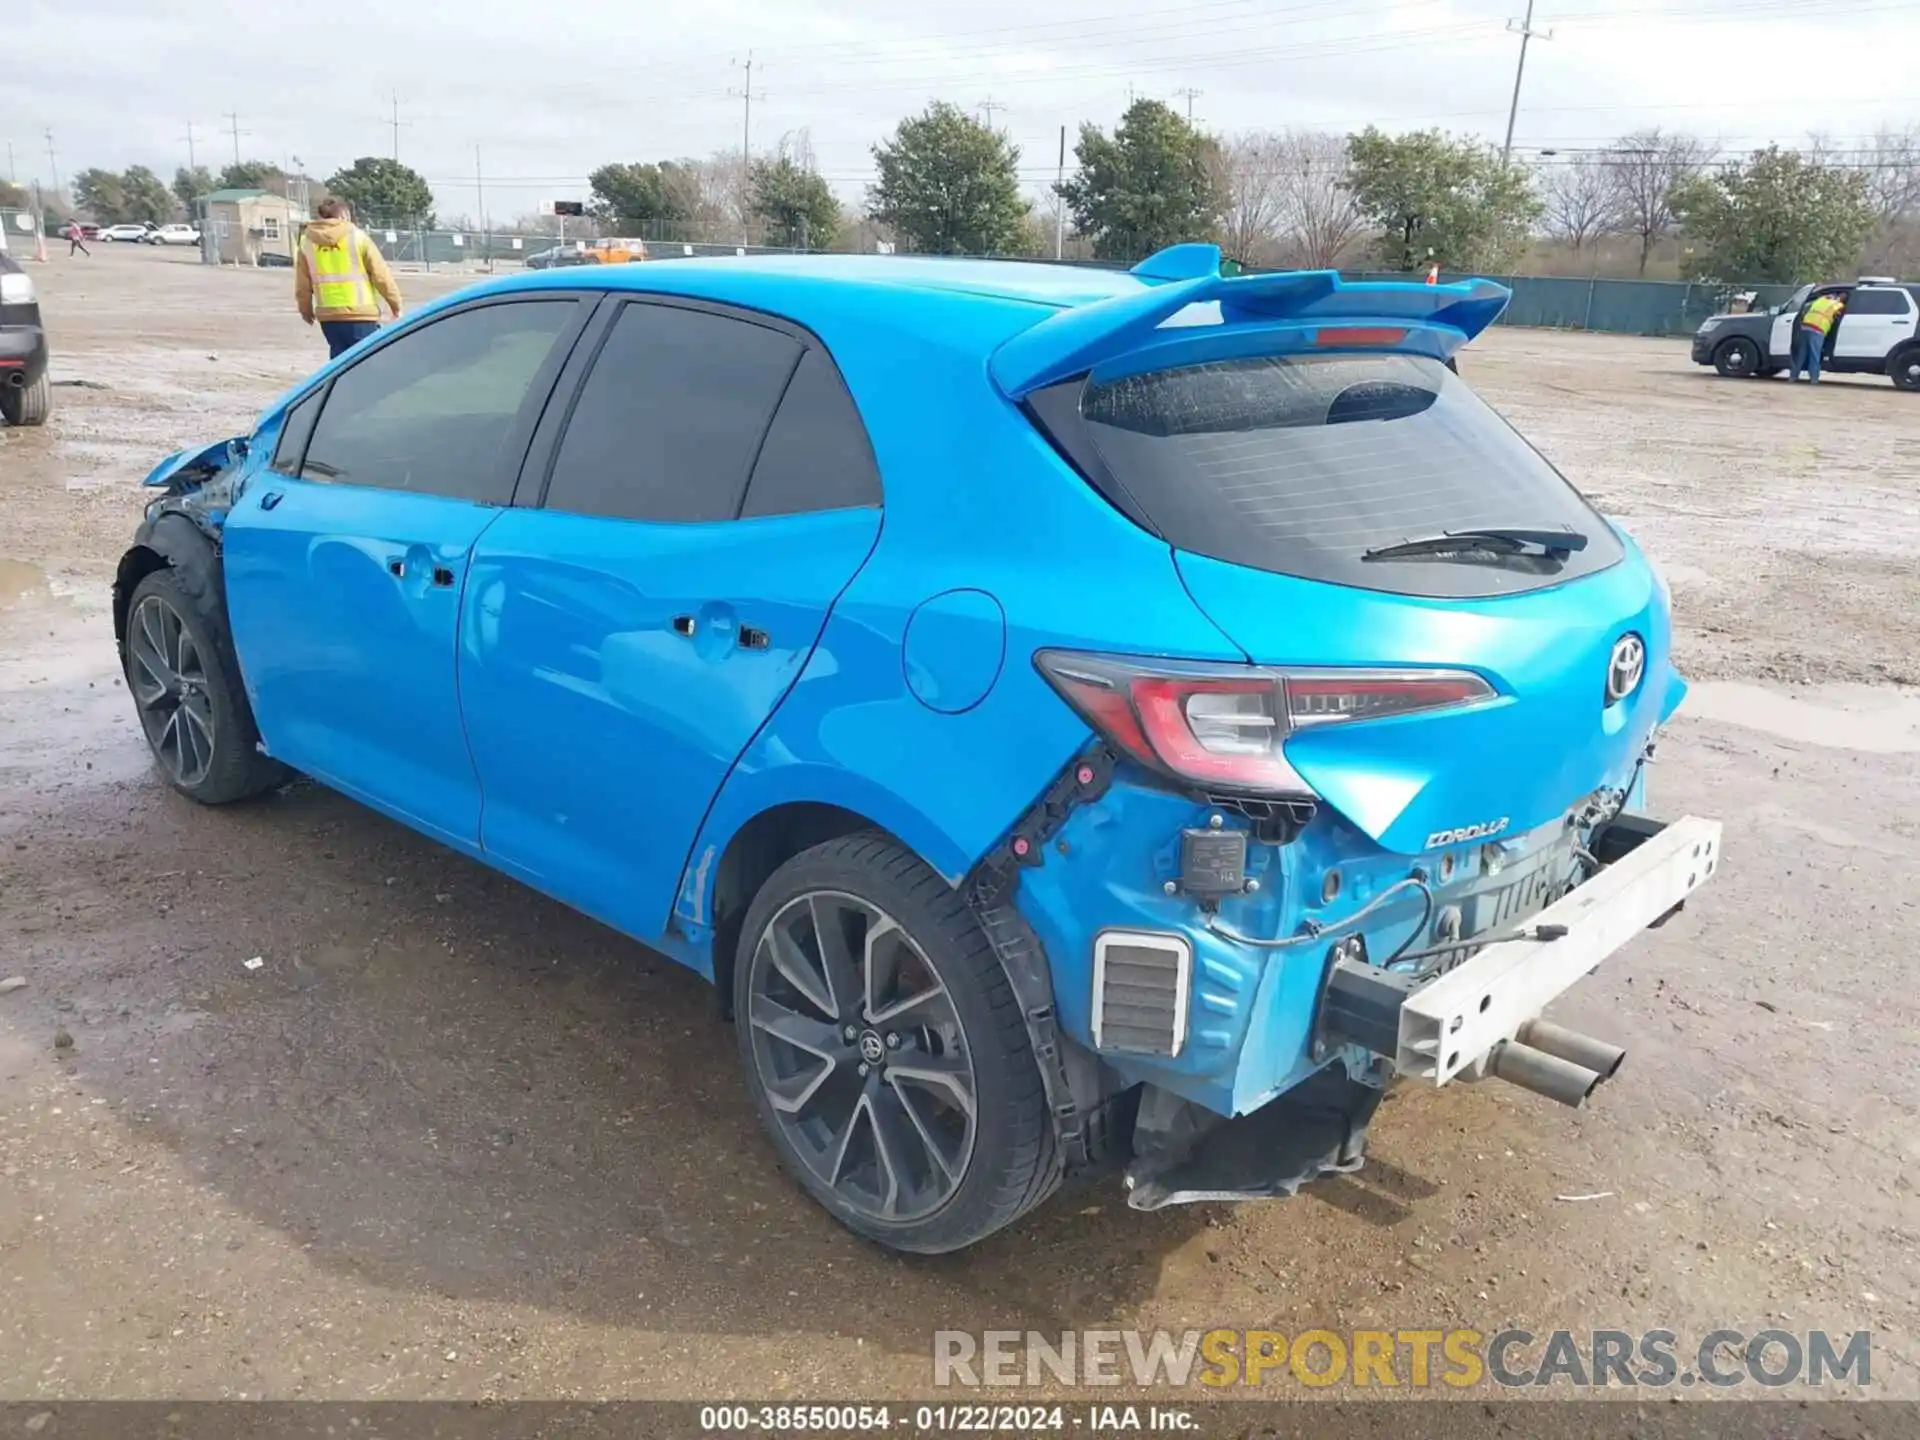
(760, 846)
(169, 540)
(1899, 355)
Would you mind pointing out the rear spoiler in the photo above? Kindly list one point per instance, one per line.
(1075, 340)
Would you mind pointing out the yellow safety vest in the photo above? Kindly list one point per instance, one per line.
(1820, 314)
(339, 279)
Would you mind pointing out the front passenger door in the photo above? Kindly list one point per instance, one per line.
(345, 561)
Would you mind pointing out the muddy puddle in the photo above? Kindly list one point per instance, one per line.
(22, 585)
(1868, 718)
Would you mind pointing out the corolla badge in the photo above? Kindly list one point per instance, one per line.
(1466, 832)
(1627, 665)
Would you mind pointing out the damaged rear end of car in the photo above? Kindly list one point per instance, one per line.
(1411, 814)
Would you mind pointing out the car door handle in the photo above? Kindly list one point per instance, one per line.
(683, 625)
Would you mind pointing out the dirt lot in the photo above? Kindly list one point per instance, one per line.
(452, 1140)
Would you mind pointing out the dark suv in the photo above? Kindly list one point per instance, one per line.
(25, 397)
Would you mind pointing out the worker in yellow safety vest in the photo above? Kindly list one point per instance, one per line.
(1810, 335)
(336, 276)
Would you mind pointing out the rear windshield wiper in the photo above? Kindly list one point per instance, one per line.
(1555, 543)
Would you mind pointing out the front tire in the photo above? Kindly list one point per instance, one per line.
(29, 404)
(185, 683)
(887, 1053)
(1737, 359)
(1903, 368)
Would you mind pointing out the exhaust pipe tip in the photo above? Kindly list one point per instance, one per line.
(1586, 1051)
(16, 379)
(1561, 1080)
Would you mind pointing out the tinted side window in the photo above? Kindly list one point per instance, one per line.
(817, 456)
(432, 411)
(671, 416)
(294, 432)
(1877, 302)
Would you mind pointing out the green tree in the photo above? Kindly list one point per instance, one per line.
(1428, 195)
(1154, 182)
(249, 175)
(12, 197)
(190, 185)
(384, 191)
(147, 196)
(1780, 218)
(100, 194)
(948, 185)
(798, 207)
(636, 198)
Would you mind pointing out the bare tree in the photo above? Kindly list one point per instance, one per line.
(1892, 162)
(1582, 201)
(1318, 216)
(1249, 168)
(1647, 167)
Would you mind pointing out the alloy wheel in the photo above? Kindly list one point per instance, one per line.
(862, 1056)
(168, 675)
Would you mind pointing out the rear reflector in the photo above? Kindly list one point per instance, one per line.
(1224, 727)
(1140, 980)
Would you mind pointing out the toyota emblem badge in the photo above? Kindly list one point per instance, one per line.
(1624, 670)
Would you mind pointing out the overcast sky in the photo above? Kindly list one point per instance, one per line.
(547, 89)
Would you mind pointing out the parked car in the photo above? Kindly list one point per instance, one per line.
(135, 233)
(1878, 334)
(554, 255)
(175, 234)
(26, 397)
(1143, 794)
(614, 252)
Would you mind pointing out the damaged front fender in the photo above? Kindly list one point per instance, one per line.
(185, 468)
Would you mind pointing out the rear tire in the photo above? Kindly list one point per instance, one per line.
(856, 957)
(28, 405)
(1737, 359)
(185, 681)
(1903, 368)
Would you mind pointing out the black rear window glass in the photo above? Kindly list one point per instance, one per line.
(1300, 464)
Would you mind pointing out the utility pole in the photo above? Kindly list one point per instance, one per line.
(745, 94)
(1060, 201)
(1526, 32)
(989, 105)
(193, 161)
(480, 199)
(1189, 95)
(13, 176)
(233, 129)
(53, 165)
(396, 126)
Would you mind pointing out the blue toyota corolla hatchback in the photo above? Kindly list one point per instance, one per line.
(1079, 720)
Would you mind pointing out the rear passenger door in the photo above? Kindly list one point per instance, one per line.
(1877, 318)
(345, 560)
(688, 521)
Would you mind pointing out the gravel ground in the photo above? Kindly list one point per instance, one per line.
(451, 1140)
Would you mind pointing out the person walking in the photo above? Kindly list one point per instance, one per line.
(75, 238)
(1810, 335)
(336, 276)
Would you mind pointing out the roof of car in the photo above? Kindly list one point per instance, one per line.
(1034, 283)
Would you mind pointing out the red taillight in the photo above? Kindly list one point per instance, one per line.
(1357, 335)
(1225, 726)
